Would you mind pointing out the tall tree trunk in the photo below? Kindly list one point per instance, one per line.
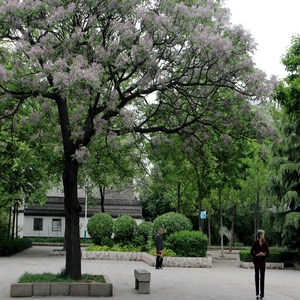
(257, 212)
(179, 210)
(256, 215)
(72, 210)
(221, 224)
(232, 228)
(209, 230)
(199, 203)
(13, 222)
(9, 223)
(102, 197)
(17, 219)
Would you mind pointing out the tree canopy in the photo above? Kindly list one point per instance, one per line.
(92, 68)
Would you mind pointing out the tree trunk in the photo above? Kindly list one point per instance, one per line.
(209, 231)
(9, 223)
(256, 216)
(13, 222)
(232, 228)
(221, 224)
(199, 204)
(102, 197)
(72, 210)
(17, 219)
(179, 210)
(257, 212)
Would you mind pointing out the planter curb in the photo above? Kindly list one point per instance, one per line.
(62, 289)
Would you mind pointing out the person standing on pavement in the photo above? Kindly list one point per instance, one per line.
(159, 249)
(259, 251)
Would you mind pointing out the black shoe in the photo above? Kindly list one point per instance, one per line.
(261, 297)
(257, 297)
(159, 269)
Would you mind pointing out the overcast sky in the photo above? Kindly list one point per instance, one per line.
(272, 23)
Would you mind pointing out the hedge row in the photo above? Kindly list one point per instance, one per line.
(14, 246)
(275, 256)
(178, 237)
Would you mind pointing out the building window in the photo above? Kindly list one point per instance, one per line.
(56, 224)
(38, 224)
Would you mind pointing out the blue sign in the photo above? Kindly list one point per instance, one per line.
(203, 215)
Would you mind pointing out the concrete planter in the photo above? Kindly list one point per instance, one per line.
(269, 265)
(62, 289)
(184, 262)
(297, 266)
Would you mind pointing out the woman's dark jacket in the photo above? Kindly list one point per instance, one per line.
(257, 247)
(159, 243)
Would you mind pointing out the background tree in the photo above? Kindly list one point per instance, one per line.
(286, 158)
(93, 66)
(112, 163)
(25, 172)
(170, 171)
(283, 184)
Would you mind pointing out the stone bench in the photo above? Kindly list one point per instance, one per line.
(142, 281)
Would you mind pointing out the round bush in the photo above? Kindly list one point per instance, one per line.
(142, 235)
(188, 243)
(124, 228)
(170, 223)
(100, 228)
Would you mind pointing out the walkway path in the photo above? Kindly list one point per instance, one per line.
(224, 281)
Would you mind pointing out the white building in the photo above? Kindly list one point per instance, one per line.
(49, 220)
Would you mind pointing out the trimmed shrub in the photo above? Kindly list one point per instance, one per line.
(245, 256)
(167, 252)
(100, 228)
(275, 256)
(14, 246)
(188, 243)
(142, 235)
(47, 240)
(170, 223)
(124, 228)
(288, 256)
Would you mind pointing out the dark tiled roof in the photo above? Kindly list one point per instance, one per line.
(54, 206)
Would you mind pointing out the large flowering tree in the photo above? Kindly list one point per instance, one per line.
(89, 68)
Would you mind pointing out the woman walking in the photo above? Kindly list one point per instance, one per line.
(259, 251)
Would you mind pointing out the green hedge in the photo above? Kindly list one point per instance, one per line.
(124, 229)
(170, 223)
(14, 246)
(275, 256)
(100, 228)
(188, 243)
(47, 240)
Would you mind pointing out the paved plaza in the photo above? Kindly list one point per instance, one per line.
(224, 281)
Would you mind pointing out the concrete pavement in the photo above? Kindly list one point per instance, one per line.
(225, 280)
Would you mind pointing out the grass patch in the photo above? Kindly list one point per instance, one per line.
(60, 277)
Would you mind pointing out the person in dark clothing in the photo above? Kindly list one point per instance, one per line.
(259, 251)
(159, 249)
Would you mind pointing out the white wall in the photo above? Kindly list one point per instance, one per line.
(47, 226)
